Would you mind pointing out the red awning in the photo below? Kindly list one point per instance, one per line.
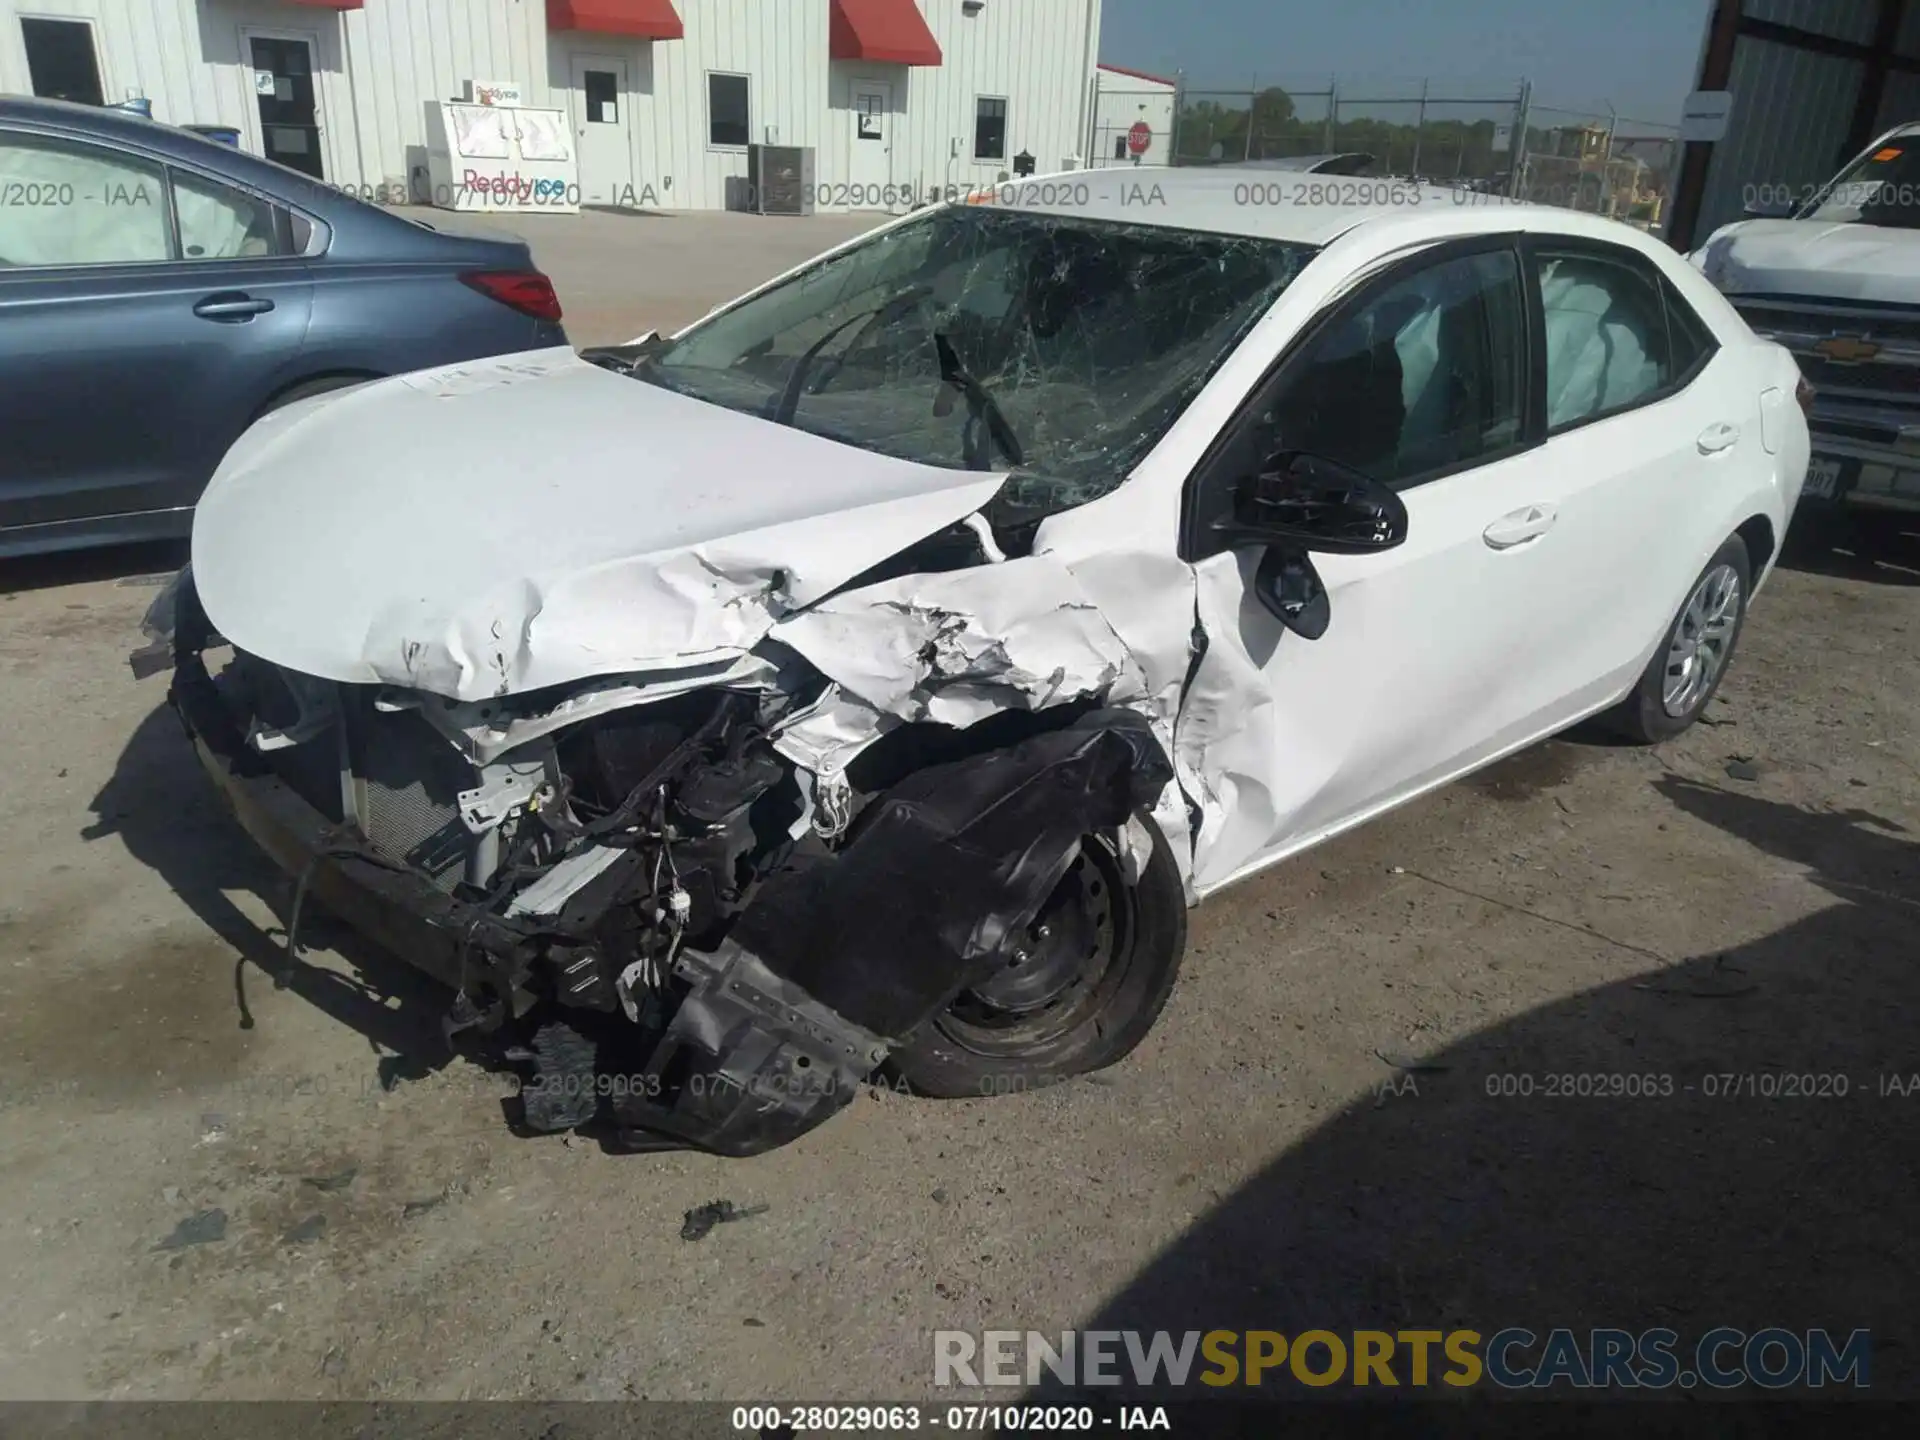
(890, 30)
(647, 19)
(334, 4)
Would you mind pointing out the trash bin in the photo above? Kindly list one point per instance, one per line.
(225, 134)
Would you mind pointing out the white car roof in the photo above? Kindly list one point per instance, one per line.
(1304, 209)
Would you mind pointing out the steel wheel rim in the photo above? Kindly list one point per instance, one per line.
(1104, 934)
(1701, 640)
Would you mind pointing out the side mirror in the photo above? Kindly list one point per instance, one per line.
(1310, 503)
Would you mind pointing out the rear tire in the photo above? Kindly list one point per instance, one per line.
(1092, 976)
(1686, 671)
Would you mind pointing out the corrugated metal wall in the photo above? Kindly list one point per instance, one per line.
(1791, 112)
(1842, 19)
(376, 67)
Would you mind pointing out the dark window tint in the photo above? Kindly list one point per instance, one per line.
(728, 118)
(1424, 375)
(218, 222)
(67, 204)
(989, 129)
(1688, 337)
(1606, 330)
(60, 60)
(603, 97)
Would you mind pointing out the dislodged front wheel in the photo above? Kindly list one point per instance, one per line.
(1077, 990)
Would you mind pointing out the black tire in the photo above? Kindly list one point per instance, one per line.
(1645, 715)
(975, 1047)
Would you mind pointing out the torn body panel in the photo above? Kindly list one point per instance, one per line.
(734, 986)
(469, 579)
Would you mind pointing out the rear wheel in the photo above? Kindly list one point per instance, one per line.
(1081, 987)
(1687, 669)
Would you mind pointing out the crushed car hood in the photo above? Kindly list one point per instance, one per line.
(534, 520)
(1815, 257)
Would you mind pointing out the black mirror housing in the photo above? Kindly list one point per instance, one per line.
(1318, 505)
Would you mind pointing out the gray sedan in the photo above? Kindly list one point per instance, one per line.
(159, 292)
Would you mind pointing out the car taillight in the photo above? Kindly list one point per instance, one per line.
(1803, 392)
(527, 291)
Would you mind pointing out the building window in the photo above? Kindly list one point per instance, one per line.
(603, 97)
(60, 60)
(989, 128)
(728, 115)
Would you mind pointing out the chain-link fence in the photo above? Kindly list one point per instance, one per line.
(1407, 127)
(1498, 141)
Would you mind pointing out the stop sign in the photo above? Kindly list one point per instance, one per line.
(1139, 137)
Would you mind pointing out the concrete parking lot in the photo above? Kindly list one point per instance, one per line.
(1315, 1135)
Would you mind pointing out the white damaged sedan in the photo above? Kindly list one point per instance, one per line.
(874, 672)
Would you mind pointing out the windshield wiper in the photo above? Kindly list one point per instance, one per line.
(789, 401)
(981, 407)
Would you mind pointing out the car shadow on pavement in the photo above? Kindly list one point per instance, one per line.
(159, 803)
(1880, 548)
(149, 562)
(1733, 1155)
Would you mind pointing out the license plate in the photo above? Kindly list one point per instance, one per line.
(1822, 474)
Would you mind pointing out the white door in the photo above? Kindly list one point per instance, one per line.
(603, 129)
(1644, 425)
(870, 161)
(1419, 381)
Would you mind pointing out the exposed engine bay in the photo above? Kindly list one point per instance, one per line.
(664, 922)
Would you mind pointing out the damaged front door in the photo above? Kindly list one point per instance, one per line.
(1418, 382)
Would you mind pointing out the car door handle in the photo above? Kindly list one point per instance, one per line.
(1517, 527)
(231, 305)
(1718, 437)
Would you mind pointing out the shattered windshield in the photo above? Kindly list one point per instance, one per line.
(1882, 188)
(1059, 348)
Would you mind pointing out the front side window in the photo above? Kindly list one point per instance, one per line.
(729, 120)
(941, 338)
(1606, 330)
(1424, 375)
(989, 128)
(68, 204)
(218, 222)
(1880, 188)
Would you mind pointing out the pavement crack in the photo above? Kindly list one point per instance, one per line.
(1586, 930)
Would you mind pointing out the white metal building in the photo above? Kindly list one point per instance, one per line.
(895, 97)
(1812, 81)
(1124, 101)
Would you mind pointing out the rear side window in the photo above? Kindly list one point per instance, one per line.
(64, 203)
(1690, 340)
(1606, 333)
(1421, 377)
(218, 222)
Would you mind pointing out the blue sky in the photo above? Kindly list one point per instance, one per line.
(1638, 54)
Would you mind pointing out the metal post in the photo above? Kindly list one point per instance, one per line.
(1517, 146)
(1253, 100)
(1179, 109)
(1419, 129)
(1606, 162)
(1333, 113)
